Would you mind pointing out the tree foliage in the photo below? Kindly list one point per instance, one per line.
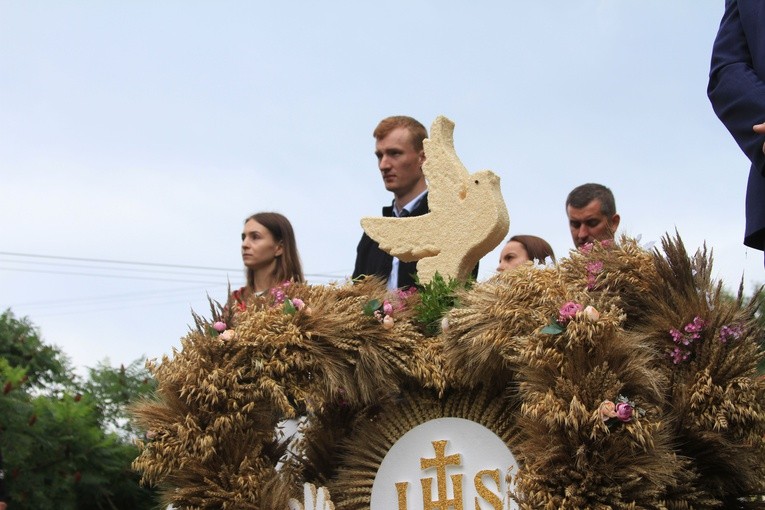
(66, 443)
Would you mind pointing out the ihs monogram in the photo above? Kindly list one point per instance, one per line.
(440, 462)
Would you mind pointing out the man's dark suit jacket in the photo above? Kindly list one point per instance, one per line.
(737, 92)
(371, 260)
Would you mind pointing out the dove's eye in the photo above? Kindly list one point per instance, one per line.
(476, 181)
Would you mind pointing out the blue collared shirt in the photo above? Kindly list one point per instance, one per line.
(412, 205)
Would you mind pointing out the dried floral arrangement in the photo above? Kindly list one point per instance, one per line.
(620, 378)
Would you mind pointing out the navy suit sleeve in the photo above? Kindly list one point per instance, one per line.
(735, 90)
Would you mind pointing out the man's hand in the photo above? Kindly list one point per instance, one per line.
(760, 128)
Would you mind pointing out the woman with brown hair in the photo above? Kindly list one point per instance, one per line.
(269, 253)
(523, 248)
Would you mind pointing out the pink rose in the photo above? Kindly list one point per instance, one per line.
(607, 410)
(568, 311)
(387, 308)
(219, 326)
(624, 411)
(298, 303)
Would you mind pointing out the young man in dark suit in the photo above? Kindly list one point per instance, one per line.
(400, 156)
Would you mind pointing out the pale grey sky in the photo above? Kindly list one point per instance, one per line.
(147, 131)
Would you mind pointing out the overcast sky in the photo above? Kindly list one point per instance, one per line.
(145, 132)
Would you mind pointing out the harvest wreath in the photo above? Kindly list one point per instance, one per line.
(696, 441)
(620, 378)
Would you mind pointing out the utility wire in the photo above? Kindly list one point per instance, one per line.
(122, 277)
(97, 268)
(110, 298)
(334, 275)
(120, 269)
(109, 261)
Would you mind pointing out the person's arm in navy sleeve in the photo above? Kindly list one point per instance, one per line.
(735, 90)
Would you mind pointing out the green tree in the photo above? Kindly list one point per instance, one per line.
(65, 443)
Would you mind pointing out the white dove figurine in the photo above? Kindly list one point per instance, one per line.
(467, 219)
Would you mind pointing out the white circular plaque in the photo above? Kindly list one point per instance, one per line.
(448, 456)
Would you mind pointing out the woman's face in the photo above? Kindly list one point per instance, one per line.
(259, 248)
(513, 255)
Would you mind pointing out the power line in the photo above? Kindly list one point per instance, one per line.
(110, 261)
(123, 297)
(120, 269)
(325, 275)
(122, 277)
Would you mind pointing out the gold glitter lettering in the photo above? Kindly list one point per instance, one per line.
(484, 492)
(401, 488)
(440, 462)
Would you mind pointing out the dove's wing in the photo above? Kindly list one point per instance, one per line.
(447, 176)
(409, 239)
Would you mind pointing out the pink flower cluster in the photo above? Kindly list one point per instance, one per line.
(403, 294)
(731, 332)
(684, 339)
(593, 269)
(290, 305)
(279, 293)
(568, 311)
(385, 314)
(623, 410)
(223, 332)
(586, 248)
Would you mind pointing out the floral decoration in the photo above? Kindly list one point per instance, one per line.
(290, 306)
(218, 328)
(622, 411)
(684, 339)
(593, 269)
(731, 332)
(382, 311)
(591, 313)
(279, 293)
(227, 335)
(567, 313)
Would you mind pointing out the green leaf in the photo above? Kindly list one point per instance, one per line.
(289, 308)
(371, 307)
(553, 329)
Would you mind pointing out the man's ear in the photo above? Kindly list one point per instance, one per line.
(422, 156)
(614, 222)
